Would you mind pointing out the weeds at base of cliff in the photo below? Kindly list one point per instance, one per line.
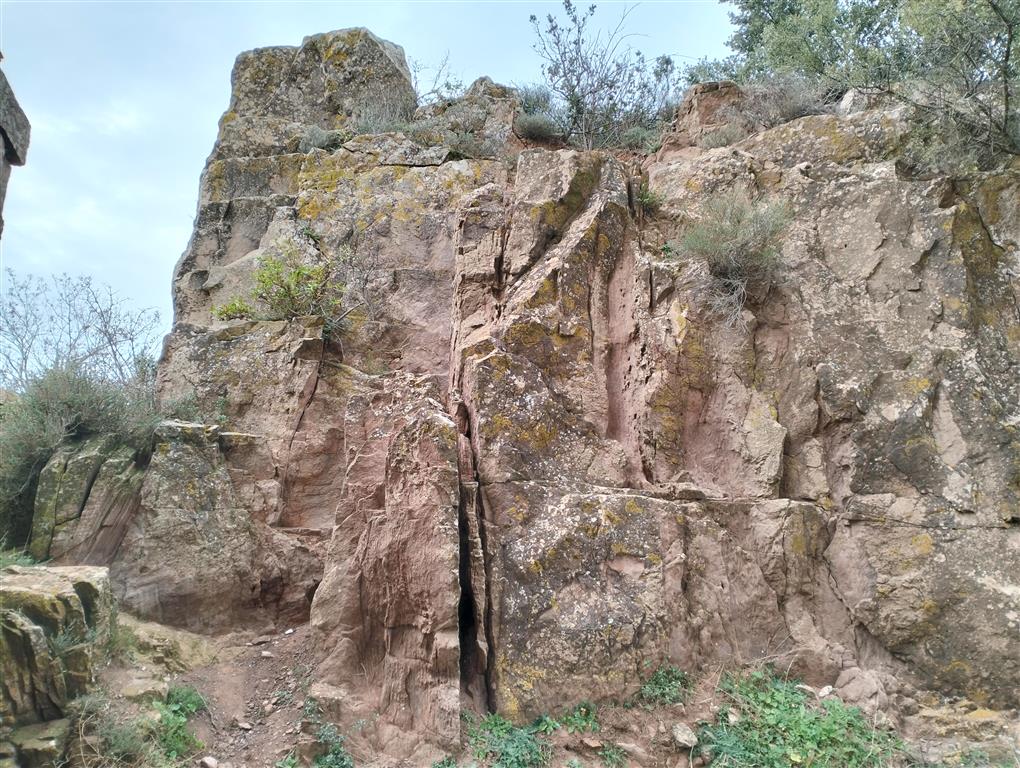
(666, 685)
(336, 754)
(106, 740)
(611, 756)
(771, 723)
(503, 745)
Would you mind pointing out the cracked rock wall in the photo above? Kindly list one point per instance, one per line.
(538, 465)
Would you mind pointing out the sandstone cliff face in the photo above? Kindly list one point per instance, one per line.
(540, 464)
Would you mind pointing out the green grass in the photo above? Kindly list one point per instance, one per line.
(501, 744)
(165, 742)
(290, 761)
(667, 685)
(612, 756)
(171, 732)
(15, 557)
(648, 200)
(777, 725)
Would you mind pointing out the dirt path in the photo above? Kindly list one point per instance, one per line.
(255, 697)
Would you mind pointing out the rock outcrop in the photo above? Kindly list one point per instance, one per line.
(14, 135)
(56, 626)
(541, 464)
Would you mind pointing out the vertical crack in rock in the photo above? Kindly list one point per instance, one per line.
(475, 627)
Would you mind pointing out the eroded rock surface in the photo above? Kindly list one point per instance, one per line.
(56, 626)
(541, 464)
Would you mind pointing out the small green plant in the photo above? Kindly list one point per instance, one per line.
(641, 139)
(282, 697)
(311, 710)
(185, 699)
(667, 249)
(447, 762)
(336, 755)
(287, 285)
(235, 309)
(309, 231)
(776, 725)
(290, 761)
(582, 718)
(64, 642)
(171, 731)
(573, 763)
(545, 724)
(504, 745)
(612, 756)
(667, 685)
(648, 200)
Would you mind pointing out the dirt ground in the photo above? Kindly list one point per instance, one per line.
(256, 689)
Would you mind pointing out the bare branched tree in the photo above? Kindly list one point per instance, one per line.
(604, 86)
(71, 322)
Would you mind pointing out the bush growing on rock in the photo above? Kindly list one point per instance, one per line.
(738, 237)
(536, 127)
(62, 404)
(287, 286)
(77, 362)
(599, 87)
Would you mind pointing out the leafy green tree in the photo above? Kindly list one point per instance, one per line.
(954, 61)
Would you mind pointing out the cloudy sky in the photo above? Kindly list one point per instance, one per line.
(124, 98)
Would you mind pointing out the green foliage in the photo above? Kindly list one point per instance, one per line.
(956, 63)
(777, 726)
(141, 743)
(235, 309)
(535, 99)
(584, 717)
(540, 128)
(171, 732)
(667, 685)
(600, 88)
(315, 137)
(15, 557)
(739, 240)
(545, 724)
(504, 745)
(782, 97)
(289, 284)
(336, 755)
(185, 699)
(648, 200)
(385, 111)
(64, 404)
(446, 762)
(612, 756)
(290, 761)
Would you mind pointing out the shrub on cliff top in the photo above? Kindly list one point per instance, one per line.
(601, 88)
